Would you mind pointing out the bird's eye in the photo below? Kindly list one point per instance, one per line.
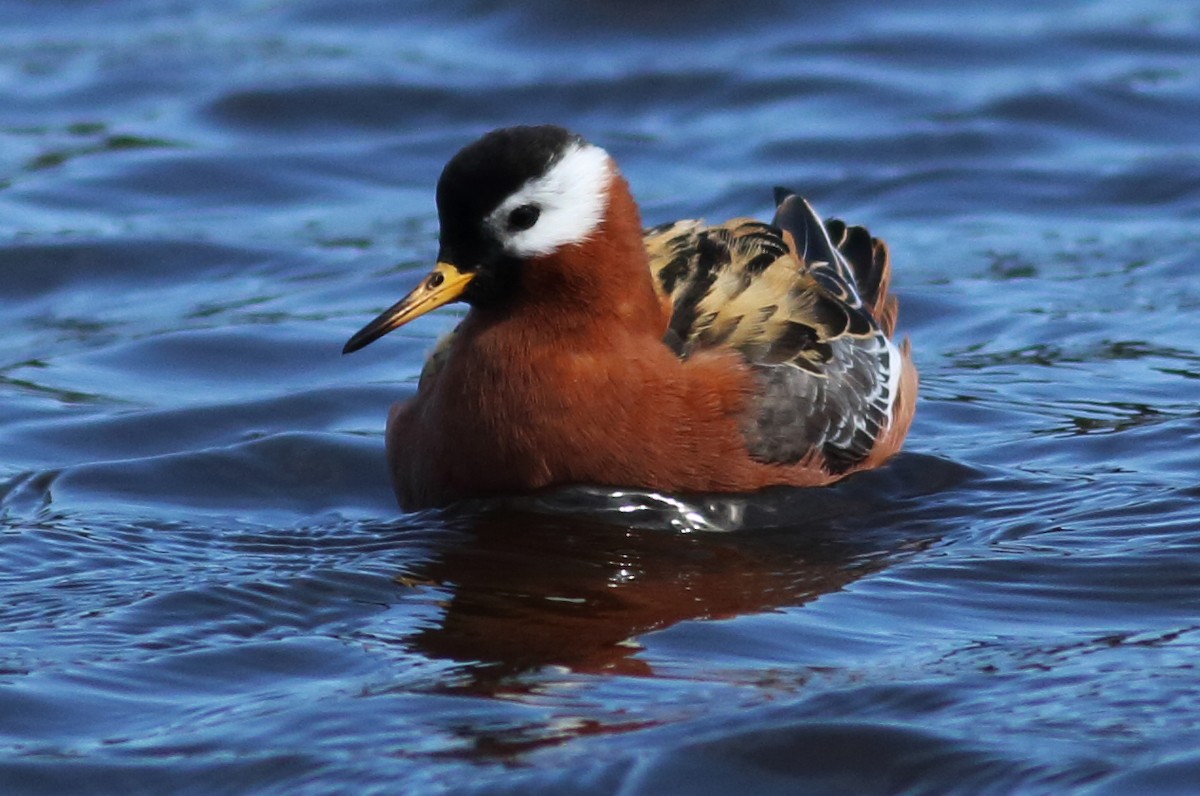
(523, 217)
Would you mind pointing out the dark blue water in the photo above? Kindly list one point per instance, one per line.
(205, 585)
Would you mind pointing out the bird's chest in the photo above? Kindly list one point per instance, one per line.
(515, 422)
(511, 402)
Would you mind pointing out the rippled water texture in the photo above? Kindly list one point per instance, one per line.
(205, 584)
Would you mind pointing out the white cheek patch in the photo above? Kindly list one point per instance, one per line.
(572, 197)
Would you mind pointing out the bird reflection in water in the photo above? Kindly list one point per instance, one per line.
(564, 583)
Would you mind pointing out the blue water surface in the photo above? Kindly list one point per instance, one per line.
(205, 583)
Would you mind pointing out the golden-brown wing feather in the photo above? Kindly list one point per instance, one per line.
(805, 301)
(741, 284)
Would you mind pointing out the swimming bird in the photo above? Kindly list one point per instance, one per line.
(683, 358)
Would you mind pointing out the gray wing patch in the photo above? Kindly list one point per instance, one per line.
(839, 413)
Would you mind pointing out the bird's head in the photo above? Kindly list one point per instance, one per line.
(508, 204)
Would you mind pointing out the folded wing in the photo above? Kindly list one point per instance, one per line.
(806, 302)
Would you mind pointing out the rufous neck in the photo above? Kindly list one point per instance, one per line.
(603, 280)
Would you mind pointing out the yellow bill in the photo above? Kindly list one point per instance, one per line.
(444, 284)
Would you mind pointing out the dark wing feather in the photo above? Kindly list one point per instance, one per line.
(796, 298)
